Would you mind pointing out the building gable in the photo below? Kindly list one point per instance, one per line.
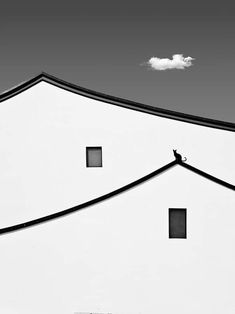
(45, 77)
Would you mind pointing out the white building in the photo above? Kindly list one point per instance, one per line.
(104, 167)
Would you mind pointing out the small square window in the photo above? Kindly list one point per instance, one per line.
(94, 156)
(177, 223)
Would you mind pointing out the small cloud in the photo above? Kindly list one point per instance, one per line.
(177, 62)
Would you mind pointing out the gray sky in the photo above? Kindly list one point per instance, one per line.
(102, 45)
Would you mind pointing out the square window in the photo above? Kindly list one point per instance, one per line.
(177, 223)
(94, 156)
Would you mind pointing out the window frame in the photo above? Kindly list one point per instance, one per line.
(87, 156)
(184, 231)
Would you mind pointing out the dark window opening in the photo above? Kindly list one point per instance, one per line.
(94, 156)
(177, 223)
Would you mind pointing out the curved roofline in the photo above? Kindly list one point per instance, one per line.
(99, 199)
(125, 103)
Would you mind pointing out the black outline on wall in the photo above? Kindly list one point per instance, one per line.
(169, 223)
(170, 114)
(101, 154)
(114, 193)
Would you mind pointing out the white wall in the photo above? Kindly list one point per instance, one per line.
(116, 257)
(43, 135)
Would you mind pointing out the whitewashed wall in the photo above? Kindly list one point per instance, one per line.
(115, 256)
(44, 132)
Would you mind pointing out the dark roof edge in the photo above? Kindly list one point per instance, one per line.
(111, 194)
(170, 114)
(208, 176)
(89, 203)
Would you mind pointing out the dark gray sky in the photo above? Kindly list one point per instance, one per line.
(102, 44)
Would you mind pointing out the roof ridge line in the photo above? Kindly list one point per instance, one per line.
(208, 176)
(118, 101)
(99, 199)
(88, 203)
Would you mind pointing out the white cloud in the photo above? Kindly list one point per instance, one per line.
(177, 62)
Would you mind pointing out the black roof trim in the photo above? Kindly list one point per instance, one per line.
(89, 203)
(208, 176)
(170, 114)
(113, 193)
